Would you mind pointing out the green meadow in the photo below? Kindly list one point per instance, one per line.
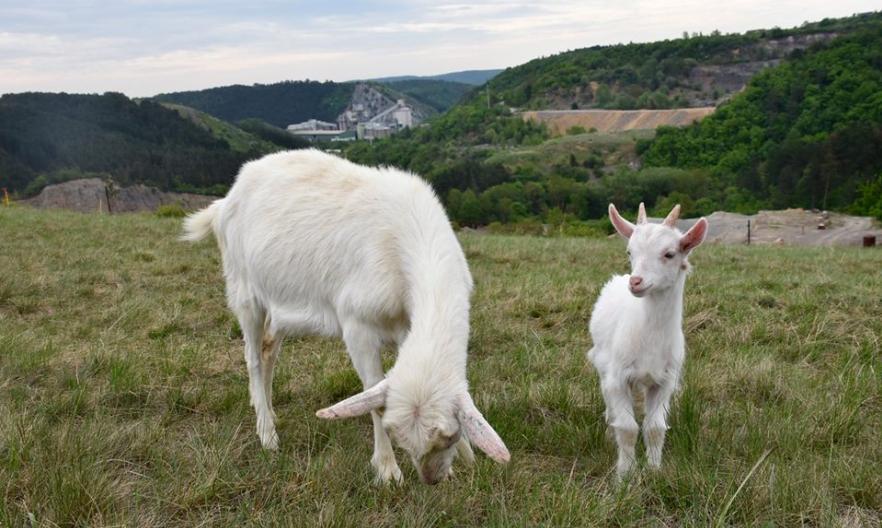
(124, 397)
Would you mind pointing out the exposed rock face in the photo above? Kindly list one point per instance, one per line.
(93, 195)
(367, 103)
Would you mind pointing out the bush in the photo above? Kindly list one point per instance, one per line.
(171, 211)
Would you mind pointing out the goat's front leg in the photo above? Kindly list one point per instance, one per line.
(363, 346)
(620, 416)
(658, 398)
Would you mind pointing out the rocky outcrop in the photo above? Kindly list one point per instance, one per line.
(93, 195)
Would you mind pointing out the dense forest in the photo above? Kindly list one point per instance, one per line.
(808, 133)
(45, 138)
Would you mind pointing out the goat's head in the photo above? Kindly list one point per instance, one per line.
(426, 420)
(658, 252)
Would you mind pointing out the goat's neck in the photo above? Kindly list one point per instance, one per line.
(439, 314)
(664, 309)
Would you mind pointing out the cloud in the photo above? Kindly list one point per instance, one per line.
(143, 47)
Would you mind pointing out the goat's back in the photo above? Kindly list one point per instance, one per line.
(307, 229)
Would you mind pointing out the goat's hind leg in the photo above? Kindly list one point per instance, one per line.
(252, 320)
(269, 353)
(363, 345)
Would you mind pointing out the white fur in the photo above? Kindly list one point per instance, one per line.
(637, 331)
(314, 244)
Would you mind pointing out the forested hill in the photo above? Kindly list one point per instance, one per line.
(284, 103)
(52, 137)
(693, 71)
(807, 133)
(279, 104)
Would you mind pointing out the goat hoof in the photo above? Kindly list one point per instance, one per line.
(387, 472)
(270, 441)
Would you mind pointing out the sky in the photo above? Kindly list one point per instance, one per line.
(145, 47)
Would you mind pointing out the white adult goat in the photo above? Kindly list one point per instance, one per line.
(314, 244)
(637, 331)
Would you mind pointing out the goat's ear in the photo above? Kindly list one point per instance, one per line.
(641, 214)
(362, 403)
(624, 227)
(694, 236)
(479, 432)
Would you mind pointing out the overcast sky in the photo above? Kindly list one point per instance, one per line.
(144, 47)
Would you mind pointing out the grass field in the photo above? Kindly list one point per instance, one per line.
(123, 392)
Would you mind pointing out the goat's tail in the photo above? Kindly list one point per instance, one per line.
(199, 224)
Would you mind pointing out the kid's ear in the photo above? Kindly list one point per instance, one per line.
(694, 237)
(623, 227)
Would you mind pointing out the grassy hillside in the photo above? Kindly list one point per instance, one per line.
(123, 392)
(238, 139)
(46, 137)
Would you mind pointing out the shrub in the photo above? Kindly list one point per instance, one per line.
(171, 211)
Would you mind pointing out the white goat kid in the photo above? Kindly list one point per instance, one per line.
(637, 331)
(314, 244)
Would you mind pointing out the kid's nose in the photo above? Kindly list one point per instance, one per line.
(635, 281)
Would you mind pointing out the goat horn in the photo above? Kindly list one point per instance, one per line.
(641, 214)
(673, 216)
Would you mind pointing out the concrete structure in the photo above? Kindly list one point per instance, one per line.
(312, 125)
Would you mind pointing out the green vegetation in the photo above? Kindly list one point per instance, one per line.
(807, 133)
(124, 397)
(46, 138)
(439, 95)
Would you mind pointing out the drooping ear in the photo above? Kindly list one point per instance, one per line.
(694, 236)
(673, 216)
(479, 432)
(362, 403)
(624, 227)
(641, 214)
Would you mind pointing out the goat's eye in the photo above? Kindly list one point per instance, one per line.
(669, 255)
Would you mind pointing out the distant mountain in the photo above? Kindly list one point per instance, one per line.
(471, 77)
(46, 138)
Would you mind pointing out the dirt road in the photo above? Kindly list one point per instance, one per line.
(792, 227)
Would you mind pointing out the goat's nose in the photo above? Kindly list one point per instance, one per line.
(635, 281)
